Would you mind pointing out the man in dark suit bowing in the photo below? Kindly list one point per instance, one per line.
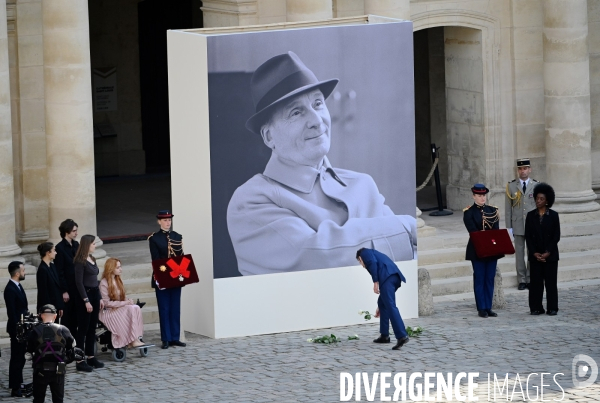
(387, 278)
(16, 305)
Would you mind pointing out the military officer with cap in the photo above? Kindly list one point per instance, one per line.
(50, 345)
(520, 201)
(164, 244)
(482, 217)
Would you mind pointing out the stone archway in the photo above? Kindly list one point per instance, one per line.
(475, 150)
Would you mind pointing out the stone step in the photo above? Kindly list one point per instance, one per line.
(149, 298)
(132, 271)
(132, 286)
(507, 264)
(458, 285)
(451, 255)
(149, 315)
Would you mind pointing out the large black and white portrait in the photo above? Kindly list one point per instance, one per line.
(312, 148)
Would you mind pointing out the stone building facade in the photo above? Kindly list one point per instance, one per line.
(505, 79)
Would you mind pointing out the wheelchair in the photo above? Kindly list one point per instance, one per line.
(104, 339)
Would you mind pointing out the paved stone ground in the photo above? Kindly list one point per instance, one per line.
(286, 368)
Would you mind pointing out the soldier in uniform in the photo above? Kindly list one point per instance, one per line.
(519, 202)
(481, 217)
(164, 244)
(50, 345)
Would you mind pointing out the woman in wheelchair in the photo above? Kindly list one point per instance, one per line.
(121, 316)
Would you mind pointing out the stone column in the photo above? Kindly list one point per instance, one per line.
(8, 245)
(567, 105)
(69, 123)
(308, 10)
(389, 8)
(229, 13)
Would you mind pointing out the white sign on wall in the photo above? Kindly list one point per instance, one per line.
(105, 89)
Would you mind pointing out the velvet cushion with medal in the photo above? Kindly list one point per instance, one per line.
(493, 242)
(175, 271)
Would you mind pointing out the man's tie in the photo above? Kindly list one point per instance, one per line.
(21, 288)
(524, 187)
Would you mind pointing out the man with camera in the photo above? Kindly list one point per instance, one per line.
(52, 347)
(16, 307)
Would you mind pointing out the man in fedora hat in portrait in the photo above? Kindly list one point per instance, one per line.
(301, 213)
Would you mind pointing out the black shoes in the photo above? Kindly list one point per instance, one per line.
(16, 393)
(491, 313)
(140, 304)
(83, 366)
(483, 314)
(400, 343)
(93, 362)
(551, 313)
(176, 343)
(165, 345)
(382, 339)
(537, 312)
(522, 286)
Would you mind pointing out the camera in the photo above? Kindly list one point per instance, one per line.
(75, 354)
(27, 323)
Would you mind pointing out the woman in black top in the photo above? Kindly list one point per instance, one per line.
(542, 233)
(88, 302)
(48, 280)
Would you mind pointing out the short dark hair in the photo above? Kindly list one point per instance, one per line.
(44, 248)
(66, 227)
(358, 252)
(14, 267)
(546, 190)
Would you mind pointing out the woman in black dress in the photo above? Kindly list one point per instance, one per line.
(542, 233)
(88, 302)
(48, 280)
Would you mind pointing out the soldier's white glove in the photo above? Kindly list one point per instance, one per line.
(510, 232)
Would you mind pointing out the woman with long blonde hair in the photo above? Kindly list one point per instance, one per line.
(120, 315)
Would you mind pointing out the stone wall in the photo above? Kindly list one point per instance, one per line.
(594, 48)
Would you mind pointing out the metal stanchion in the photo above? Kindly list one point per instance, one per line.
(438, 188)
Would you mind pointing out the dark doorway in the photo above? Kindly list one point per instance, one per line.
(155, 17)
(430, 112)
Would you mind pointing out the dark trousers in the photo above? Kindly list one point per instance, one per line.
(41, 381)
(484, 273)
(87, 322)
(16, 364)
(543, 274)
(388, 311)
(169, 313)
(69, 318)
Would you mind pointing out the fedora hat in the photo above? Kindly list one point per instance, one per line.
(278, 79)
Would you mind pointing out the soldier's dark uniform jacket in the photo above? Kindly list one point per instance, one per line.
(479, 218)
(163, 245)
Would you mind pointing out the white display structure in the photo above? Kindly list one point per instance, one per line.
(260, 304)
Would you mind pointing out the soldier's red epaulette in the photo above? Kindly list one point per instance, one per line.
(466, 208)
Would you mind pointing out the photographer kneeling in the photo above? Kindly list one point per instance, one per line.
(52, 347)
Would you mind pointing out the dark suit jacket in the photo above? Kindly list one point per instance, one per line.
(16, 305)
(63, 262)
(542, 237)
(379, 266)
(473, 219)
(48, 287)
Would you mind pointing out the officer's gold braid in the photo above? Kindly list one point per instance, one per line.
(489, 219)
(516, 199)
(173, 247)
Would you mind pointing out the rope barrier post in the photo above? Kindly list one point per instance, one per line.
(438, 187)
